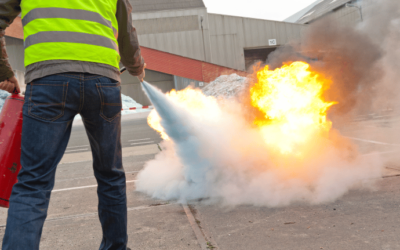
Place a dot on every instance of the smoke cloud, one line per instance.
(216, 155)
(221, 158)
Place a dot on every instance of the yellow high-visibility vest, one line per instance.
(78, 30)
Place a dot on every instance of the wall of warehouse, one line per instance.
(343, 16)
(231, 35)
(218, 39)
(340, 13)
(180, 32)
(346, 16)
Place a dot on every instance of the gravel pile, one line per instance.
(226, 86)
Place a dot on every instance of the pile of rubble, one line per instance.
(226, 86)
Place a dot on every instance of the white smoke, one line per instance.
(218, 156)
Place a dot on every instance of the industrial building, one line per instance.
(347, 12)
(184, 44)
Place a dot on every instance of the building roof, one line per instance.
(158, 5)
(295, 17)
(321, 8)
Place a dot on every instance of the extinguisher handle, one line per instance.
(15, 92)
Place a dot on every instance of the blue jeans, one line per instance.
(51, 104)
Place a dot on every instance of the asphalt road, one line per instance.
(135, 132)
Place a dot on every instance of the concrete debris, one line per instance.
(226, 86)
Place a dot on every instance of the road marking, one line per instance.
(135, 150)
(140, 140)
(77, 150)
(142, 143)
(78, 146)
(95, 213)
(83, 187)
(374, 142)
(88, 177)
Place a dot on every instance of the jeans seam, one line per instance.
(109, 119)
(30, 101)
(82, 95)
(102, 106)
(64, 97)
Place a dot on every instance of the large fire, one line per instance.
(294, 111)
(290, 99)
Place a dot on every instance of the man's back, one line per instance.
(74, 36)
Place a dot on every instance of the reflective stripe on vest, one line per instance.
(69, 37)
(52, 31)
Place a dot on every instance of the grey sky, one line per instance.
(263, 9)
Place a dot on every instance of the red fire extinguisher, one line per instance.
(10, 145)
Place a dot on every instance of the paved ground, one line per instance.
(359, 220)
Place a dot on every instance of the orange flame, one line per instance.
(291, 100)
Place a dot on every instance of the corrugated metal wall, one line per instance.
(221, 41)
(231, 35)
(181, 32)
(140, 6)
(167, 24)
(343, 15)
(346, 16)
(182, 83)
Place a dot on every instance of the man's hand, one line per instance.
(10, 84)
(141, 76)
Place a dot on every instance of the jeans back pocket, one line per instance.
(47, 99)
(110, 96)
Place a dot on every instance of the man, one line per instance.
(72, 55)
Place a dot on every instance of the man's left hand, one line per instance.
(10, 84)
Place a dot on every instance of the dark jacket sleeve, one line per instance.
(9, 10)
(129, 49)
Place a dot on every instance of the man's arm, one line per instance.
(9, 10)
(128, 42)
(5, 67)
